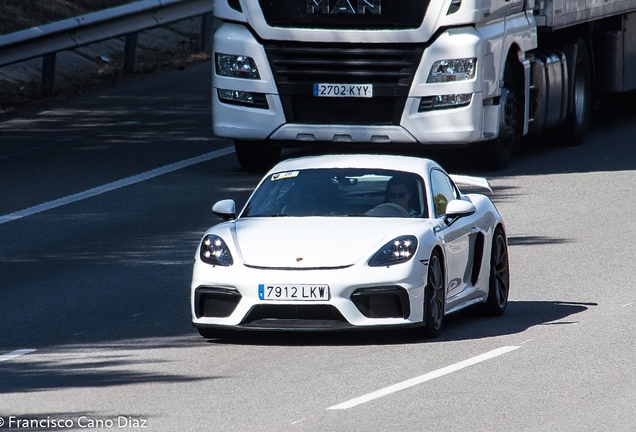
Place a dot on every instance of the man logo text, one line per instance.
(343, 6)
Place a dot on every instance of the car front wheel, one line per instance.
(434, 297)
(499, 284)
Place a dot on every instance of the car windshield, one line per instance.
(339, 192)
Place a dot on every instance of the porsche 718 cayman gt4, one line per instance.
(351, 241)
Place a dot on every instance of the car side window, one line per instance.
(443, 191)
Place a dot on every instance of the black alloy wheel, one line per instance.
(434, 297)
(499, 285)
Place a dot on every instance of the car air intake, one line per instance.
(382, 302)
(215, 302)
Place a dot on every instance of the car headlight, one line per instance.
(236, 66)
(214, 251)
(398, 250)
(452, 70)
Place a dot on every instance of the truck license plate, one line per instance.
(293, 292)
(343, 90)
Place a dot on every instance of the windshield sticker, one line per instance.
(285, 175)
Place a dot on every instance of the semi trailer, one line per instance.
(415, 73)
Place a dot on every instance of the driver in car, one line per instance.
(398, 191)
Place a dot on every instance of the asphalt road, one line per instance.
(96, 249)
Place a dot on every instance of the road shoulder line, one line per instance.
(16, 353)
(115, 185)
(423, 378)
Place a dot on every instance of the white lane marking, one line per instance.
(628, 304)
(423, 378)
(14, 354)
(115, 185)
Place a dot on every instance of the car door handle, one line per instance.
(474, 230)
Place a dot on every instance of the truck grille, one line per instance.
(389, 67)
(354, 15)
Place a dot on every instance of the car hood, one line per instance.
(314, 242)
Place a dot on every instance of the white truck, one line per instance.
(289, 73)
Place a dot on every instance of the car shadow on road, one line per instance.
(519, 316)
(536, 240)
(47, 375)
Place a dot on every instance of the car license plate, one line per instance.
(293, 292)
(343, 90)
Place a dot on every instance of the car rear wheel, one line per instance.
(499, 284)
(434, 297)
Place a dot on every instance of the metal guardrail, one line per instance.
(126, 20)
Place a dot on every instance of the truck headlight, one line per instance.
(236, 96)
(429, 103)
(236, 66)
(243, 98)
(452, 70)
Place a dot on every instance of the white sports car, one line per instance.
(351, 241)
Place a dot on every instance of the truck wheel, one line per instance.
(499, 150)
(572, 131)
(256, 156)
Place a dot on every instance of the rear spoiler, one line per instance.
(471, 181)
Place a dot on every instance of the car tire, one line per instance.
(434, 297)
(256, 156)
(499, 282)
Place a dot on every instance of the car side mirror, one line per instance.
(226, 209)
(458, 209)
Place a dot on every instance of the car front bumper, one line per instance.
(359, 297)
